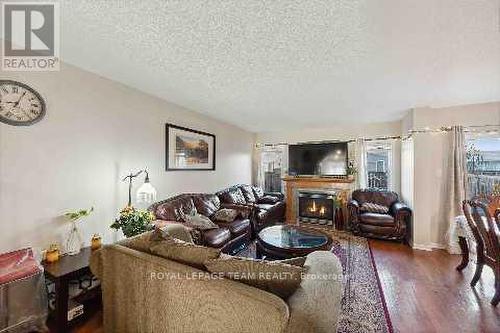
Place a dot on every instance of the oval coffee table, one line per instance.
(289, 241)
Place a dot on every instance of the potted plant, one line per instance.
(73, 243)
(351, 170)
(133, 222)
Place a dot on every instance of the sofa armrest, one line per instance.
(278, 195)
(146, 293)
(310, 313)
(354, 204)
(399, 209)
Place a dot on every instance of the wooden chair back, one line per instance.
(492, 201)
(484, 228)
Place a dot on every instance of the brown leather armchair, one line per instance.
(379, 214)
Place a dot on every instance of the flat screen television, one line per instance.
(318, 159)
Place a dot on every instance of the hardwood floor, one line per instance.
(423, 291)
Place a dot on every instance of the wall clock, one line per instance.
(20, 105)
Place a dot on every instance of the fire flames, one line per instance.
(314, 209)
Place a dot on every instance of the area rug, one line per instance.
(363, 304)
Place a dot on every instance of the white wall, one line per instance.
(95, 132)
(431, 161)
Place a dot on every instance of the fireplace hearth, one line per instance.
(316, 207)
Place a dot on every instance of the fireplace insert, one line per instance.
(317, 208)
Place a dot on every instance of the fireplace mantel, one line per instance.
(318, 180)
(343, 185)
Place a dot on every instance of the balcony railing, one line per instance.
(481, 184)
(378, 180)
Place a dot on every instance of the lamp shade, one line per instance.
(146, 193)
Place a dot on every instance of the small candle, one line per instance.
(52, 254)
(96, 242)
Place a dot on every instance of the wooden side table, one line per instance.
(61, 272)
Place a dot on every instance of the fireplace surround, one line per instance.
(341, 188)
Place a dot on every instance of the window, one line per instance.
(483, 165)
(271, 169)
(378, 165)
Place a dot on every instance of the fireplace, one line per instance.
(316, 207)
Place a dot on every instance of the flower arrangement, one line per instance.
(133, 221)
(351, 168)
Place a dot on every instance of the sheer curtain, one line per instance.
(455, 176)
(271, 167)
(360, 157)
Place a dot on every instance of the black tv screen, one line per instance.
(321, 159)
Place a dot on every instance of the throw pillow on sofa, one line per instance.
(278, 278)
(226, 215)
(146, 240)
(268, 199)
(198, 221)
(174, 230)
(139, 243)
(184, 252)
(370, 207)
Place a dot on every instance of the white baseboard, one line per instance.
(429, 246)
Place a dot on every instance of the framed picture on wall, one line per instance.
(188, 149)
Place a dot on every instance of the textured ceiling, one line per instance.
(272, 65)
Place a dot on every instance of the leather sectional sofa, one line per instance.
(268, 207)
(229, 237)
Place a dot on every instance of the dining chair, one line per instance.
(487, 236)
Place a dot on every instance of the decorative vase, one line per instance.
(73, 244)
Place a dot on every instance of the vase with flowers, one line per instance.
(351, 170)
(73, 243)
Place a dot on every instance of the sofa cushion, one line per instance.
(237, 227)
(184, 252)
(225, 215)
(171, 210)
(198, 221)
(258, 192)
(216, 237)
(275, 277)
(140, 242)
(233, 195)
(206, 204)
(376, 219)
(371, 207)
(248, 193)
(268, 199)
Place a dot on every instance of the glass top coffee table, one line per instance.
(288, 241)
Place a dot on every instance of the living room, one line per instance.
(166, 151)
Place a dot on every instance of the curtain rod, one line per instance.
(443, 129)
(381, 138)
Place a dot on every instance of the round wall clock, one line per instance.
(20, 105)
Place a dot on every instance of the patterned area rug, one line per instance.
(363, 305)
